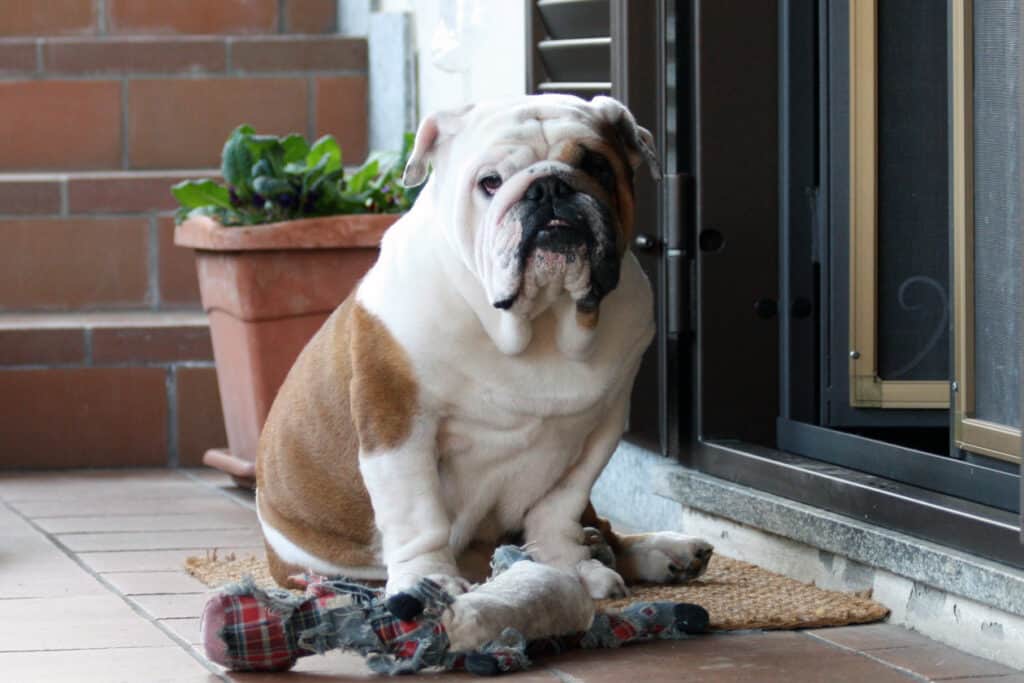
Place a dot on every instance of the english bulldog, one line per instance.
(476, 382)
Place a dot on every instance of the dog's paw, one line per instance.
(668, 557)
(601, 581)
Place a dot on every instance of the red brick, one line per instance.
(310, 16)
(83, 417)
(179, 285)
(17, 57)
(60, 125)
(46, 17)
(73, 263)
(200, 421)
(27, 345)
(161, 136)
(189, 54)
(126, 191)
(27, 194)
(298, 53)
(341, 110)
(192, 16)
(153, 343)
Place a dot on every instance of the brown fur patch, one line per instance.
(591, 518)
(384, 390)
(307, 472)
(587, 319)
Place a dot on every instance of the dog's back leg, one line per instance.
(659, 557)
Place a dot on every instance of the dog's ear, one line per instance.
(433, 131)
(638, 140)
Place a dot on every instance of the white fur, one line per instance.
(518, 410)
(293, 554)
(667, 557)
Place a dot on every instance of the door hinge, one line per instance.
(678, 278)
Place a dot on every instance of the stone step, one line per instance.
(120, 17)
(170, 102)
(93, 240)
(107, 390)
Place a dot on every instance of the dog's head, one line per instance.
(537, 195)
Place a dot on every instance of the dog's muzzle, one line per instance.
(557, 218)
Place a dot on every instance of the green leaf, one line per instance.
(269, 186)
(192, 194)
(295, 149)
(236, 161)
(360, 179)
(326, 147)
(267, 148)
(261, 168)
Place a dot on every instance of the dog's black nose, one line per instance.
(547, 188)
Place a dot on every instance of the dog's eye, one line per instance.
(490, 184)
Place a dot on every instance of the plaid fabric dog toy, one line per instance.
(246, 628)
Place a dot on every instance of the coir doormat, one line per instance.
(737, 595)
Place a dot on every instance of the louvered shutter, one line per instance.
(569, 47)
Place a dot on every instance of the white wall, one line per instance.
(492, 60)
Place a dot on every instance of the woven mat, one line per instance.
(736, 594)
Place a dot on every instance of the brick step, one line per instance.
(93, 240)
(117, 17)
(170, 102)
(107, 390)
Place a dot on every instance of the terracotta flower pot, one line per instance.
(266, 290)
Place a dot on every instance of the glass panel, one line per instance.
(913, 176)
(997, 210)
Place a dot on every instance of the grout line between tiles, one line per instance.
(909, 672)
(86, 649)
(132, 605)
(251, 527)
(221, 492)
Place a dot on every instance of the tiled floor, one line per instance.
(92, 589)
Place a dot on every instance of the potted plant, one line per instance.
(278, 248)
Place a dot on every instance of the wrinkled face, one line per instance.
(543, 200)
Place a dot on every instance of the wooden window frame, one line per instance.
(867, 388)
(969, 433)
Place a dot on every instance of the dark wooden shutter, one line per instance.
(569, 47)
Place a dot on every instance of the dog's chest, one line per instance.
(497, 458)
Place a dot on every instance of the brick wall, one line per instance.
(105, 356)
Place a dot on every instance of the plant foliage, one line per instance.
(271, 179)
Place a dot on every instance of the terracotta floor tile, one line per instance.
(209, 476)
(149, 664)
(72, 486)
(162, 540)
(153, 583)
(197, 502)
(743, 661)
(172, 606)
(33, 567)
(187, 628)
(340, 666)
(36, 569)
(156, 560)
(235, 517)
(871, 636)
(941, 662)
(78, 622)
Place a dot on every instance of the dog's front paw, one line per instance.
(601, 581)
(668, 557)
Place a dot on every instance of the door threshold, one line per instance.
(949, 521)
